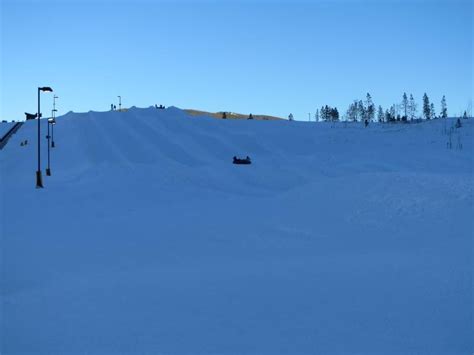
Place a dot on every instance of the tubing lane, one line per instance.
(11, 132)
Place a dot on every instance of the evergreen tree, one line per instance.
(327, 113)
(224, 115)
(380, 114)
(412, 108)
(290, 117)
(464, 116)
(316, 115)
(426, 107)
(355, 111)
(405, 105)
(250, 117)
(323, 114)
(361, 114)
(393, 113)
(351, 114)
(369, 108)
(432, 111)
(444, 108)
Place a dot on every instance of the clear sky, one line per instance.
(262, 56)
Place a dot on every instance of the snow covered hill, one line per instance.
(5, 127)
(147, 239)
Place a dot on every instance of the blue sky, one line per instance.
(272, 57)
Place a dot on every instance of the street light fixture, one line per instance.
(39, 178)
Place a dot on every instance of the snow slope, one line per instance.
(5, 127)
(147, 240)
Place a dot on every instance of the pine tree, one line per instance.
(290, 117)
(426, 107)
(405, 105)
(250, 117)
(432, 111)
(412, 108)
(444, 108)
(327, 113)
(369, 108)
(361, 111)
(393, 113)
(316, 115)
(351, 113)
(380, 115)
(224, 115)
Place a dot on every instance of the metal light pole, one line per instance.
(48, 169)
(120, 103)
(53, 122)
(39, 178)
(48, 137)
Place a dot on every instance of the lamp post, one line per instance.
(39, 178)
(53, 122)
(120, 103)
(48, 137)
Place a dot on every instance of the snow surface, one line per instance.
(5, 127)
(147, 240)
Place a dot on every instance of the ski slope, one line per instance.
(147, 240)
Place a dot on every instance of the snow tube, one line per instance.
(245, 161)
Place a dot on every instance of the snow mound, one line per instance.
(147, 239)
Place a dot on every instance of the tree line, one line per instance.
(366, 111)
